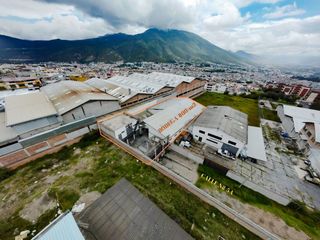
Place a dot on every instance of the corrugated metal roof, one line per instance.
(300, 116)
(168, 79)
(226, 119)
(137, 82)
(255, 147)
(62, 228)
(123, 213)
(118, 122)
(27, 107)
(67, 95)
(174, 117)
(121, 93)
(125, 88)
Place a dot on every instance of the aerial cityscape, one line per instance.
(182, 119)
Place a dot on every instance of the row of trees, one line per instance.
(273, 94)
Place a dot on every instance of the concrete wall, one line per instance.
(288, 126)
(215, 143)
(21, 156)
(190, 89)
(92, 108)
(187, 154)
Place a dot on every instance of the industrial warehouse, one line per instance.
(152, 129)
(178, 124)
(137, 87)
(61, 112)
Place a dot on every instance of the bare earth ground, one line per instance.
(266, 219)
(37, 207)
(71, 176)
(31, 194)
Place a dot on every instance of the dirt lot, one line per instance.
(34, 194)
(266, 219)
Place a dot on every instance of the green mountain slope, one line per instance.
(152, 45)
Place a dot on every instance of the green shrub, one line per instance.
(4, 173)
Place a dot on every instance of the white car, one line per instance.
(185, 144)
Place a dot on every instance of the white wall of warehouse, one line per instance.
(217, 144)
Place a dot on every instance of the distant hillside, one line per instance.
(246, 56)
(152, 45)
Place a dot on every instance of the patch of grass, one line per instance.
(245, 194)
(296, 214)
(246, 105)
(271, 134)
(66, 197)
(14, 225)
(107, 166)
(270, 115)
(274, 105)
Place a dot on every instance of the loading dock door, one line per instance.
(231, 149)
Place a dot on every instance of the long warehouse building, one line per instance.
(137, 87)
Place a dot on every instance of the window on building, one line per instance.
(212, 141)
(232, 143)
(214, 136)
(309, 134)
(203, 132)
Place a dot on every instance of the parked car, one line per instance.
(307, 162)
(185, 144)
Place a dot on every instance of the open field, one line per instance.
(246, 105)
(295, 214)
(94, 164)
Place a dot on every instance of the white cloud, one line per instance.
(290, 10)
(61, 26)
(227, 15)
(243, 3)
(219, 21)
(31, 9)
(287, 36)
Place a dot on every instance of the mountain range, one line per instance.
(152, 45)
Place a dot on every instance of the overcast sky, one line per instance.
(265, 27)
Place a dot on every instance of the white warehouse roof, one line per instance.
(27, 107)
(226, 119)
(255, 147)
(169, 79)
(67, 95)
(62, 228)
(121, 93)
(174, 117)
(137, 82)
(300, 116)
